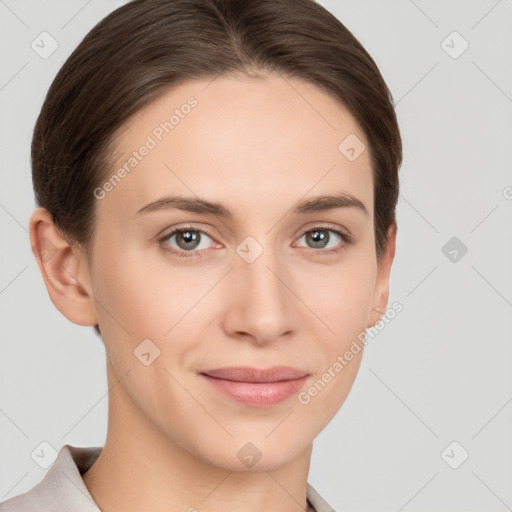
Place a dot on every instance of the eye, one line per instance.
(186, 239)
(321, 240)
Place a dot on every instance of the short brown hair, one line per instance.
(146, 47)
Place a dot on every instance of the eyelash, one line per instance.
(347, 240)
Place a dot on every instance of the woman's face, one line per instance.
(266, 285)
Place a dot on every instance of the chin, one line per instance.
(254, 453)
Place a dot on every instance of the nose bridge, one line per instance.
(262, 302)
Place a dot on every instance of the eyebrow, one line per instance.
(198, 205)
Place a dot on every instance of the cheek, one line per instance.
(341, 295)
(148, 295)
(127, 292)
(342, 298)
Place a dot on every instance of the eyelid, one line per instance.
(167, 232)
(311, 226)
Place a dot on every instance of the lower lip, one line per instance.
(257, 394)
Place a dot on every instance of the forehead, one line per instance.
(247, 142)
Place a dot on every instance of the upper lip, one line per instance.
(248, 374)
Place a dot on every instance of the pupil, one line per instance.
(188, 237)
(318, 237)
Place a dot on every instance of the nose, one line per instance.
(261, 307)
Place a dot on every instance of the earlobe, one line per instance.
(381, 292)
(59, 264)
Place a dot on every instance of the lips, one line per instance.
(248, 374)
(256, 388)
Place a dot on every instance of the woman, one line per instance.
(261, 134)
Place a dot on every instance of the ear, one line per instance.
(381, 292)
(63, 267)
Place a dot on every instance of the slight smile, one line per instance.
(255, 387)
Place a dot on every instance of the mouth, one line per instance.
(255, 387)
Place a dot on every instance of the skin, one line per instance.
(172, 439)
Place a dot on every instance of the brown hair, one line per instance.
(146, 47)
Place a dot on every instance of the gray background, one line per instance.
(439, 372)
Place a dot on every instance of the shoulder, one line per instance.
(318, 503)
(62, 487)
(35, 500)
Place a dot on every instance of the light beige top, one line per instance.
(63, 490)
